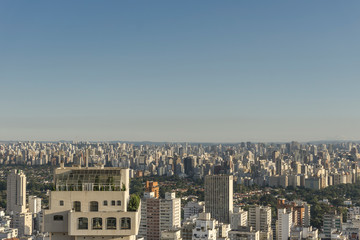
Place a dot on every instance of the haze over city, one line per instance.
(196, 71)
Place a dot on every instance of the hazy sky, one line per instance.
(219, 71)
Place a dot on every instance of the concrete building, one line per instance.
(238, 218)
(16, 203)
(219, 197)
(244, 233)
(34, 204)
(158, 215)
(332, 224)
(171, 234)
(300, 233)
(91, 203)
(260, 220)
(16, 192)
(23, 222)
(284, 222)
(205, 228)
(193, 208)
(187, 228)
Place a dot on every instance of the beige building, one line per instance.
(16, 192)
(239, 218)
(171, 234)
(219, 197)
(91, 203)
(16, 203)
(244, 233)
(260, 220)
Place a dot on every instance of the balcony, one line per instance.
(103, 223)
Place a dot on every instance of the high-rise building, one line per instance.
(91, 203)
(158, 215)
(16, 192)
(16, 203)
(34, 204)
(219, 197)
(284, 224)
(239, 218)
(331, 222)
(260, 220)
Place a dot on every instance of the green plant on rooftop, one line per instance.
(133, 203)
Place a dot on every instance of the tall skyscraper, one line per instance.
(16, 192)
(91, 203)
(16, 203)
(219, 197)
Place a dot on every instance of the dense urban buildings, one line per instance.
(239, 191)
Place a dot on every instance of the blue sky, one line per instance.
(218, 71)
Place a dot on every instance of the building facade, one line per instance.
(91, 203)
(219, 197)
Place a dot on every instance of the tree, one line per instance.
(134, 203)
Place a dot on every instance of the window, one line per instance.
(82, 223)
(125, 223)
(105, 203)
(119, 203)
(97, 223)
(58, 217)
(113, 203)
(94, 206)
(111, 223)
(77, 206)
(61, 203)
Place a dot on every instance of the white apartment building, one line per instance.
(34, 204)
(284, 224)
(205, 228)
(91, 203)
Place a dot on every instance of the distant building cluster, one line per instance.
(91, 195)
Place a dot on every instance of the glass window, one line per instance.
(77, 206)
(61, 203)
(105, 203)
(125, 223)
(119, 203)
(113, 203)
(82, 223)
(111, 223)
(94, 206)
(97, 223)
(58, 217)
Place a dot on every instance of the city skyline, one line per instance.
(179, 72)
